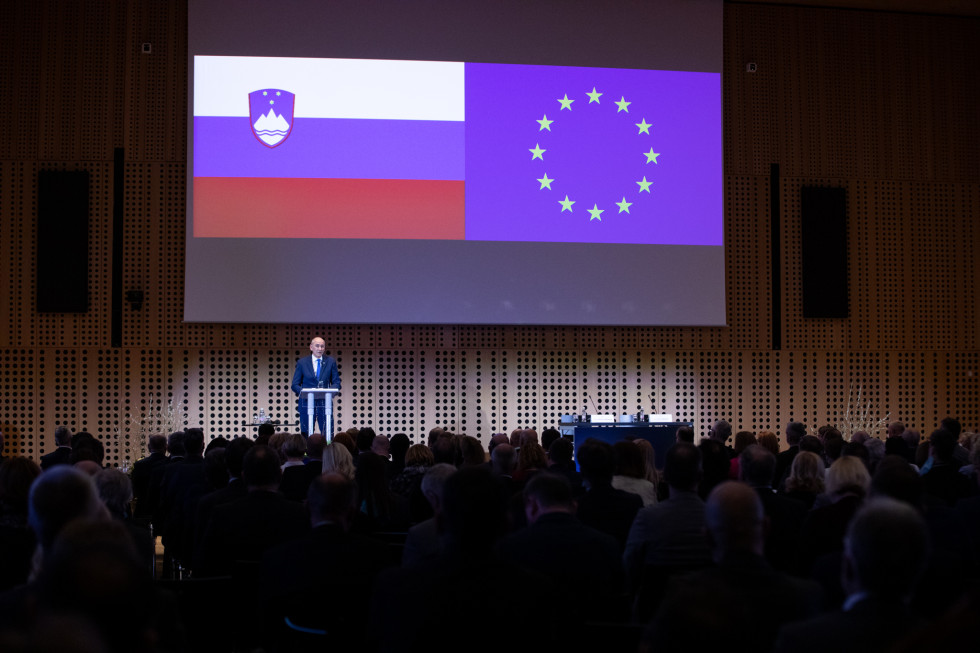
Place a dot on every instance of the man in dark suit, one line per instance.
(885, 552)
(602, 506)
(794, 433)
(316, 371)
(60, 456)
(245, 529)
(785, 515)
(143, 472)
(717, 608)
(234, 459)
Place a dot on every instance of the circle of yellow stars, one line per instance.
(622, 106)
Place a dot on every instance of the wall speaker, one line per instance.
(824, 251)
(62, 241)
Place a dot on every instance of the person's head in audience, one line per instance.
(399, 447)
(811, 443)
(952, 425)
(715, 464)
(859, 437)
(495, 439)
(942, 443)
(560, 453)
(684, 434)
(847, 476)
(885, 550)
(649, 454)
(261, 469)
(344, 439)
(858, 450)
(16, 475)
(365, 438)
(629, 460)
(472, 451)
(156, 444)
(58, 496)
(515, 438)
(95, 573)
(895, 429)
(682, 467)
(373, 494)
(235, 456)
(912, 438)
(446, 449)
(194, 443)
(548, 436)
(116, 491)
(294, 447)
(215, 468)
(529, 436)
(434, 434)
(503, 460)
(381, 446)
(757, 466)
(276, 440)
(266, 431)
(822, 431)
(531, 457)
(735, 520)
(89, 467)
(897, 479)
(86, 447)
(216, 443)
(434, 485)
(806, 474)
(62, 436)
(896, 446)
(769, 441)
(833, 444)
(474, 514)
(337, 459)
(330, 500)
(314, 446)
(547, 493)
(721, 430)
(419, 455)
(742, 440)
(795, 432)
(876, 452)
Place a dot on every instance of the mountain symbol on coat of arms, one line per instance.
(271, 128)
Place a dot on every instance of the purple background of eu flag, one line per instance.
(594, 154)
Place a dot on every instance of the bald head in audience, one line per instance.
(735, 520)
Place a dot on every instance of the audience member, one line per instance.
(143, 468)
(716, 464)
(560, 459)
(742, 440)
(548, 437)
(770, 442)
(344, 438)
(472, 452)
(823, 530)
(296, 475)
(684, 434)
(85, 446)
(530, 460)
(408, 482)
(717, 609)
(235, 489)
(630, 472)
(17, 542)
(62, 451)
(399, 448)
(602, 506)
(379, 509)
(424, 543)
(337, 458)
(943, 480)
(805, 480)
(116, 491)
(720, 431)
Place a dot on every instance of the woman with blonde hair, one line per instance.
(336, 458)
(823, 530)
(805, 480)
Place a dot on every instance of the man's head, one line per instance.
(860, 437)
(235, 455)
(294, 446)
(684, 434)
(735, 520)
(62, 436)
(314, 446)
(365, 438)
(942, 443)
(331, 499)
(157, 444)
(885, 549)
(597, 461)
(381, 446)
(721, 431)
(318, 346)
(175, 443)
(896, 478)
(260, 468)
(757, 466)
(86, 447)
(912, 438)
(560, 452)
(59, 496)
(115, 489)
(794, 433)
(547, 493)
(434, 484)
(952, 425)
(682, 466)
(548, 436)
(503, 459)
(194, 442)
(495, 439)
(895, 429)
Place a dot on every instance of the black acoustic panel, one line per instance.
(62, 241)
(823, 215)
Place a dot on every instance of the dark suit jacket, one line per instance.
(247, 528)
(59, 456)
(873, 624)
(784, 460)
(205, 507)
(609, 510)
(786, 517)
(296, 480)
(142, 473)
(305, 376)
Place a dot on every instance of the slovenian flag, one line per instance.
(343, 148)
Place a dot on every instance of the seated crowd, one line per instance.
(371, 543)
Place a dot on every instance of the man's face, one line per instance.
(317, 347)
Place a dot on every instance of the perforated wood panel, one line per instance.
(883, 105)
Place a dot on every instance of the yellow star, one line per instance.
(545, 123)
(644, 185)
(545, 182)
(565, 103)
(644, 127)
(624, 205)
(596, 213)
(594, 96)
(536, 152)
(566, 204)
(623, 104)
(651, 155)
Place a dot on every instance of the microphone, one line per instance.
(594, 407)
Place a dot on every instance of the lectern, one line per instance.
(311, 395)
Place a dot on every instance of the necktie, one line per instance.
(318, 369)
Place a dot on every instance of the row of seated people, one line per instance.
(576, 548)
